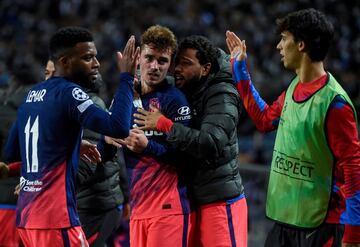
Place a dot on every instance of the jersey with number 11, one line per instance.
(48, 130)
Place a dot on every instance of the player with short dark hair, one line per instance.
(48, 131)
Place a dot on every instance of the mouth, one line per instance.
(179, 80)
(93, 76)
(153, 76)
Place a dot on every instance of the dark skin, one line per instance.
(188, 70)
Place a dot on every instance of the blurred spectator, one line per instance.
(25, 27)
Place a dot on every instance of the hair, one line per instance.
(206, 51)
(312, 27)
(66, 38)
(161, 37)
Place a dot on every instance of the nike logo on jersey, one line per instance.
(35, 96)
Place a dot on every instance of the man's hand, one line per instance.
(89, 152)
(236, 46)
(147, 120)
(127, 61)
(4, 170)
(17, 190)
(115, 141)
(136, 141)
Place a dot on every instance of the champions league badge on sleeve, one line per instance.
(79, 94)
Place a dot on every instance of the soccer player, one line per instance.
(204, 74)
(158, 198)
(48, 131)
(314, 181)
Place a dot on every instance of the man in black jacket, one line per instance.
(102, 194)
(203, 72)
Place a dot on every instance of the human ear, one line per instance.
(301, 45)
(205, 70)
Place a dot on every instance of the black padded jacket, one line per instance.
(212, 141)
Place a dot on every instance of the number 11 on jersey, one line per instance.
(31, 143)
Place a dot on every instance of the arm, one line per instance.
(116, 124)
(265, 117)
(177, 110)
(217, 127)
(344, 143)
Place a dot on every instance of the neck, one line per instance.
(310, 71)
(145, 88)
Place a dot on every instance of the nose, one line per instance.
(278, 46)
(154, 65)
(96, 63)
(177, 68)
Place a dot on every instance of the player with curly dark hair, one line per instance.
(313, 187)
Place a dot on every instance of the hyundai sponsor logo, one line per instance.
(184, 110)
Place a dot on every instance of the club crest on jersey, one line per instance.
(155, 102)
(79, 94)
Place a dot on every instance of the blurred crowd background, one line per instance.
(26, 26)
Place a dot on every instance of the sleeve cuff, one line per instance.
(240, 71)
(164, 124)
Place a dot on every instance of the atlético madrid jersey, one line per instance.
(154, 184)
(48, 131)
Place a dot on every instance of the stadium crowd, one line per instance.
(26, 26)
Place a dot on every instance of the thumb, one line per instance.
(119, 55)
(154, 108)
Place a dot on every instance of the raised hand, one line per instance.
(127, 61)
(236, 46)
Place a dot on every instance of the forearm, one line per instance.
(265, 117)
(116, 124)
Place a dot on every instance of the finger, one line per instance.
(121, 142)
(136, 54)
(140, 122)
(142, 111)
(139, 116)
(126, 49)
(154, 108)
(85, 158)
(119, 56)
(95, 159)
(137, 131)
(131, 47)
(228, 45)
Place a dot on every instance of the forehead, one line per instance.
(286, 34)
(85, 48)
(188, 53)
(153, 51)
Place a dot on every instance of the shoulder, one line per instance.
(221, 88)
(171, 94)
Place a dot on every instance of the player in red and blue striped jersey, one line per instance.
(47, 134)
(305, 39)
